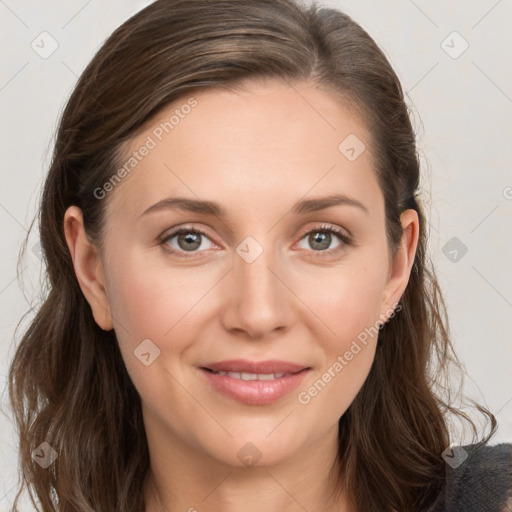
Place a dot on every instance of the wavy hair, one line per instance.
(68, 384)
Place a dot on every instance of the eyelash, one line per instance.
(344, 238)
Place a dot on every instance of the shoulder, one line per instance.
(483, 481)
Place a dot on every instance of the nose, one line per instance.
(257, 301)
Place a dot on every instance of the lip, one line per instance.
(255, 392)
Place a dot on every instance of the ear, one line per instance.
(88, 267)
(402, 261)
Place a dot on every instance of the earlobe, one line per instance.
(403, 260)
(88, 267)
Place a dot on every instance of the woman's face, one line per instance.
(256, 275)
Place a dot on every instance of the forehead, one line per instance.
(266, 139)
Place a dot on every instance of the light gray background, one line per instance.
(462, 110)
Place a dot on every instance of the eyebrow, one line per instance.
(215, 209)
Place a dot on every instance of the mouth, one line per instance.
(250, 376)
(269, 367)
(254, 383)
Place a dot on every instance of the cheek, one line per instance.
(347, 299)
(347, 355)
(148, 300)
(156, 302)
(349, 306)
(329, 393)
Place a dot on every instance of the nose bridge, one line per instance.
(258, 300)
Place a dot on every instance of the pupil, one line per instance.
(189, 238)
(323, 238)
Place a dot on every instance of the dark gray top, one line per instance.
(482, 483)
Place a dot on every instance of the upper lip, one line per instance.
(242, 365)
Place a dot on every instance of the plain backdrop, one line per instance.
(453, 59)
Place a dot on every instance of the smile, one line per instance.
(253, 388)
(253, 376)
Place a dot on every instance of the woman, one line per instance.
(241, 312)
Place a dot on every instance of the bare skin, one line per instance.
(256, 152)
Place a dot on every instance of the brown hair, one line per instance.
(68, 382)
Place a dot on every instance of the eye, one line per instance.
(192, 240)
(321, 238)
(187, 240)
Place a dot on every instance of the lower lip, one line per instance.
(255, 392)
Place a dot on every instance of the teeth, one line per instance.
(253, 376)
(268, 376)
